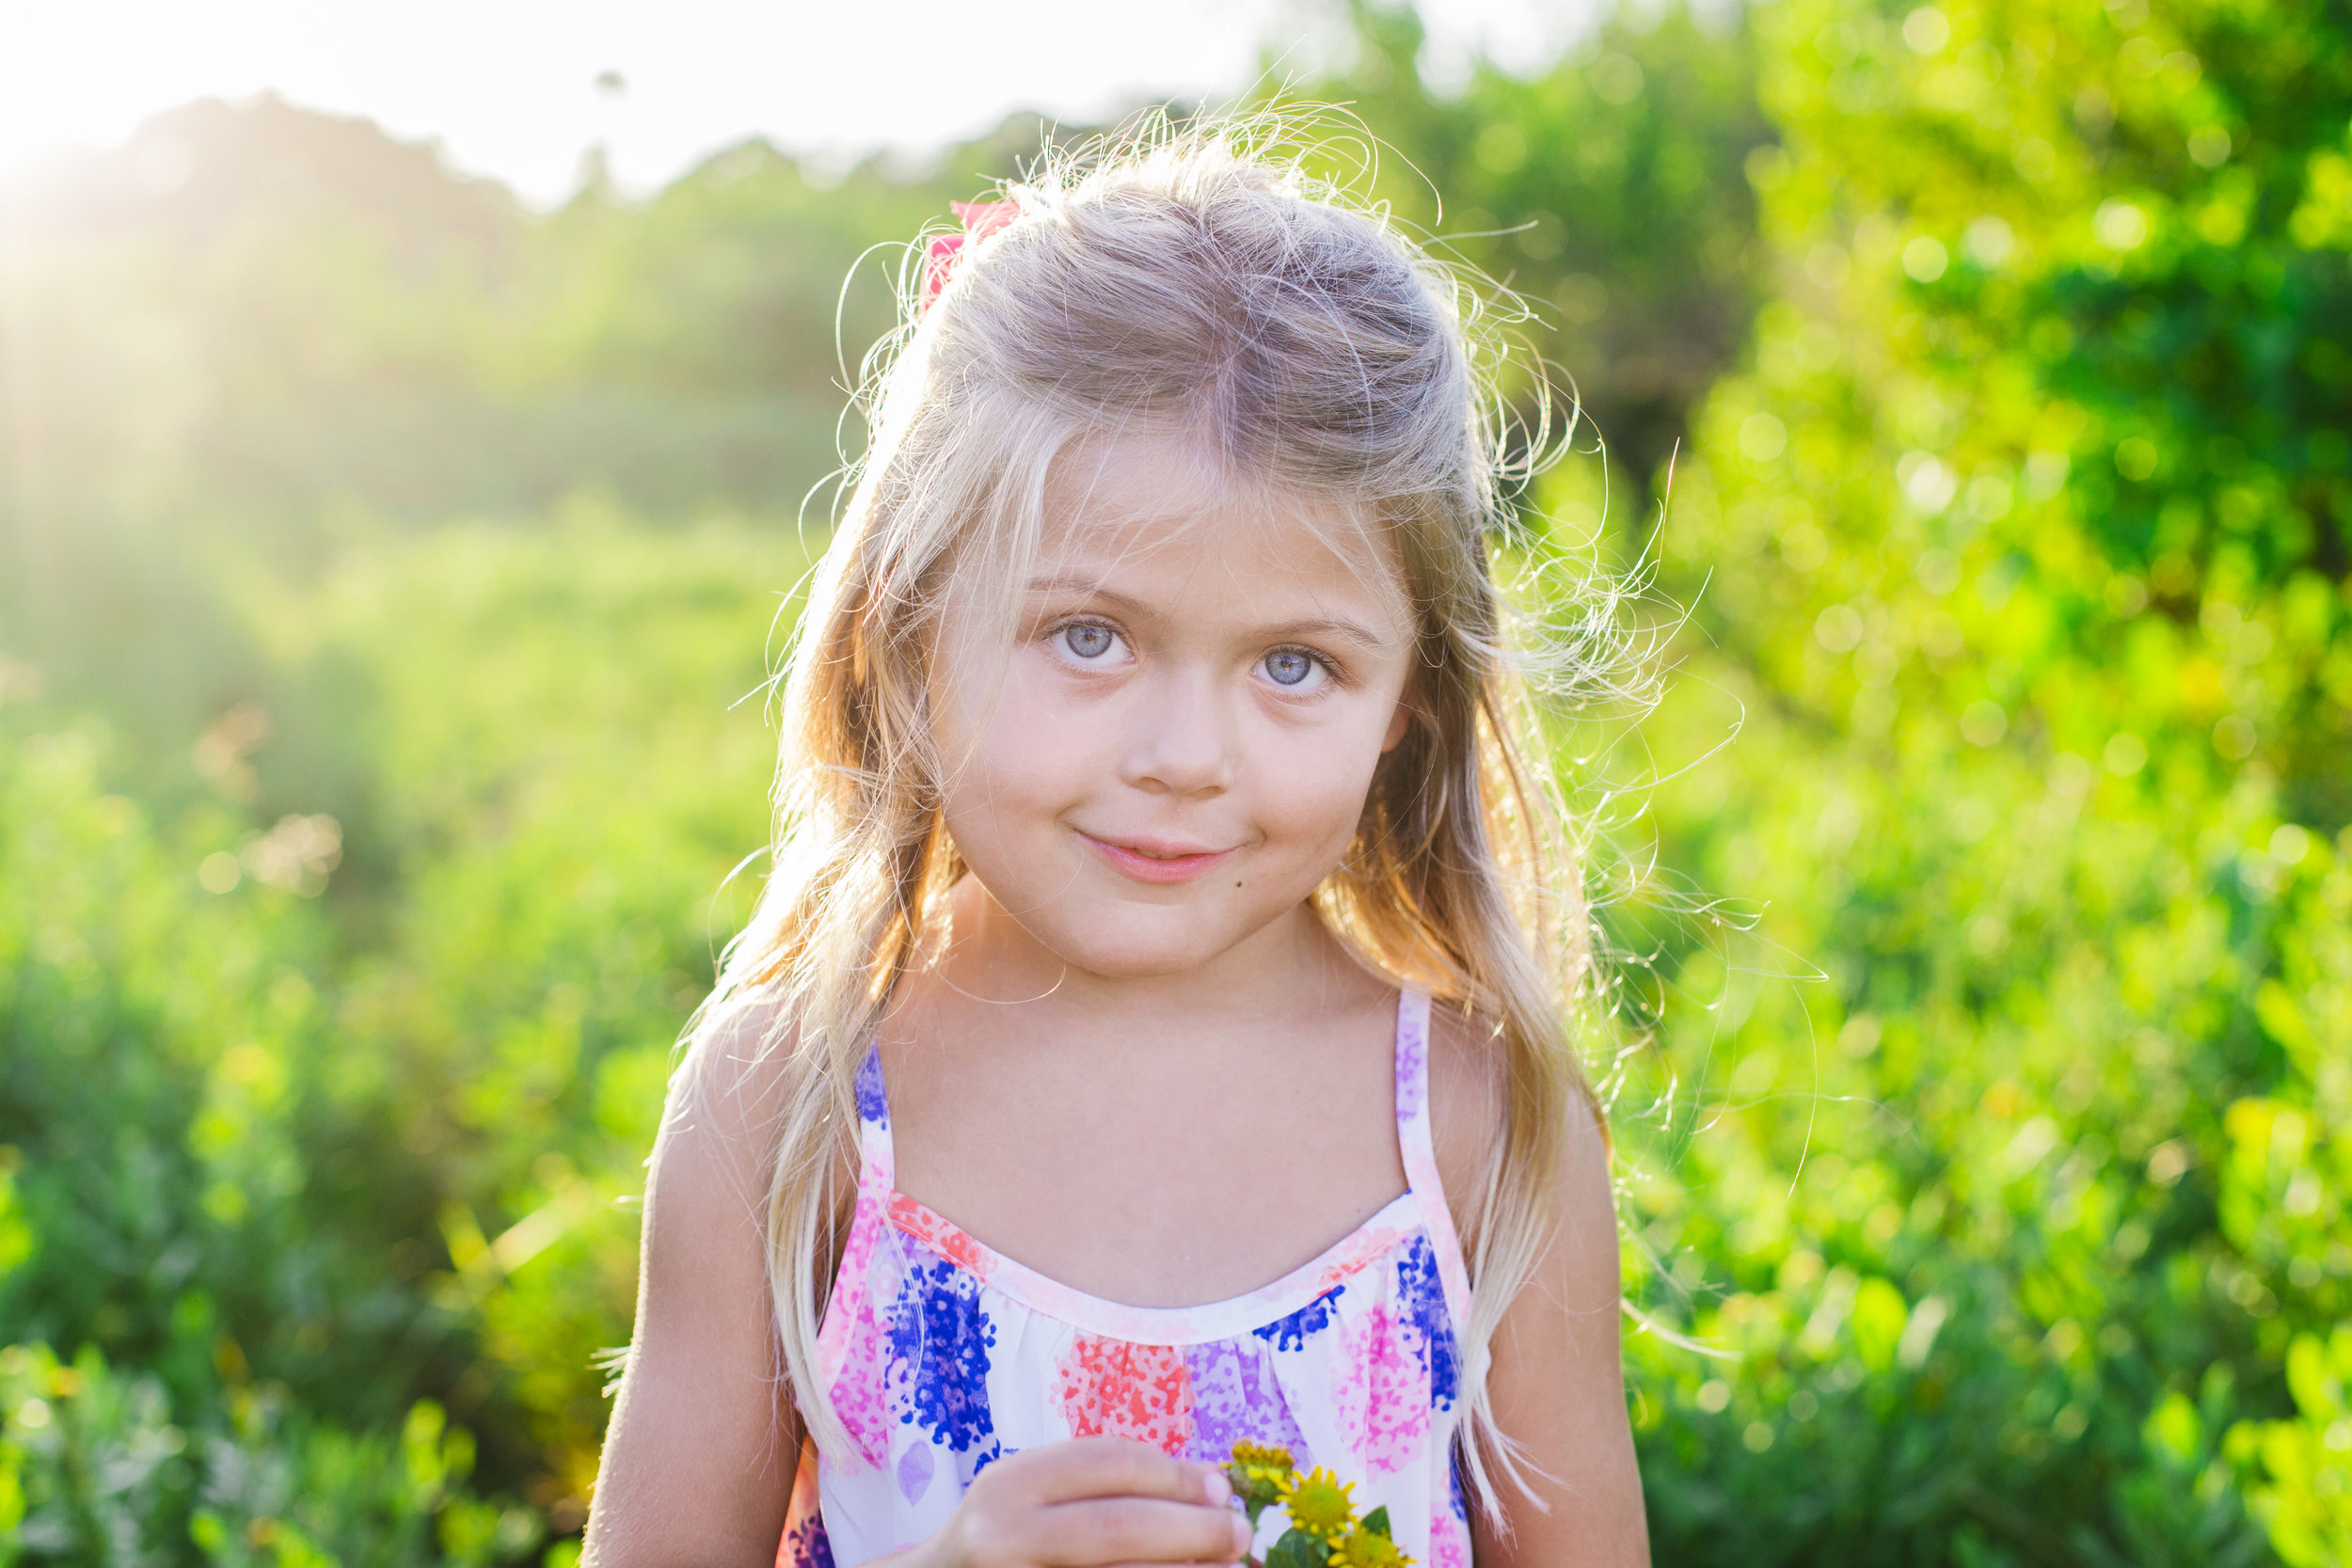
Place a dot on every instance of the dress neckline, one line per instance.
(1262, 1310)
(1420, 1210)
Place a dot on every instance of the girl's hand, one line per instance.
(1091, 1502)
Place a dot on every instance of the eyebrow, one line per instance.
(1353, 631)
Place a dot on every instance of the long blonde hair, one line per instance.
(1169, 280)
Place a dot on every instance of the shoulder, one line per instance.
(1470, 1107)
(728, 1094)
(732, 1095)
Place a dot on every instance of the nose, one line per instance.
(1179, 739)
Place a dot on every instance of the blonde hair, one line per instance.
(1183, 282)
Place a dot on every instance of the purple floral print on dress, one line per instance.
(1236, 1398)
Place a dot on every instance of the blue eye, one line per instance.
(1087, 642)
(1289, 666)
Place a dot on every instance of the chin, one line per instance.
(1135, 961)
(1141, 950)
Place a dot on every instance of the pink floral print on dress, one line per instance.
(1112, 1388)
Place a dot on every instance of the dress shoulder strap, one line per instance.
(849, 1303)
(1419, 1151)
(873, 1116)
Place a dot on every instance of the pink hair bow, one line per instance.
(980, 219)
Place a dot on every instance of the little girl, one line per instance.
(1151, 1039)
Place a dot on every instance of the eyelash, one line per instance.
(1332, 669)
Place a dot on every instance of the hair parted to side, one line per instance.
(1182, 283)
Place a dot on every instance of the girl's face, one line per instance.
(1199, 691)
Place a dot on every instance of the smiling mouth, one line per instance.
(1159, 863)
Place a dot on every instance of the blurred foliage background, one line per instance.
(388, 573)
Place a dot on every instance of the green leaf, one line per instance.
(1298, 1549)
(1377, 1522)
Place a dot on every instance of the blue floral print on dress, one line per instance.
(873, 1104)
(807, 1545)
(1421, 1290)
(1291, 1333)
(939, 1344)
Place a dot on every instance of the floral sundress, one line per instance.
(943, 1357)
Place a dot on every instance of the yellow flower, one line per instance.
(1361, 1548)
(1318, 1503)
(1258, 1471)
(1262, 1456)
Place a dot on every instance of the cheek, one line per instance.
(1029, 754)
(1314, 786)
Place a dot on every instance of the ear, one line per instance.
(1399, 722)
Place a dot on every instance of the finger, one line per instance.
(1140, 1530)
(1120, 1467)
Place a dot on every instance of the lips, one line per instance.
(1156, 861)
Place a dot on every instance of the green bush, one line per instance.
(98, 1465)
(2021, 548)
(365, 1127)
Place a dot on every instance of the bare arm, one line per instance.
(1556, 1376)
(698, 1462)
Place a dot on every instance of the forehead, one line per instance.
(1142, 510)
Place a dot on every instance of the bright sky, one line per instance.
(510, 85)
